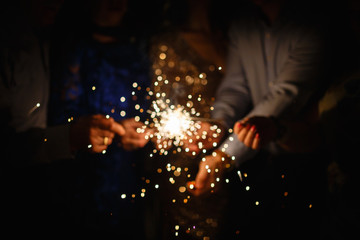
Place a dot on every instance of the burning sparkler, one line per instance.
(172, 122)
(175, 125)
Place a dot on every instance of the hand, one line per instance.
(162, 142)
(136, 135)
(256, 131)
(211, 171)
(207, 136)
(96, 131)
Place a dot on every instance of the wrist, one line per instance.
(224, 158)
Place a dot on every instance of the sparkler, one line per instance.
(172, 122)
(175, 124)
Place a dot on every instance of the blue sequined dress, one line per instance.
(110, 79)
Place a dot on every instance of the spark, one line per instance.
(37, 105)
(240, 175)
(172, 122)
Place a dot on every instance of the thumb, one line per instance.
(201, 178)
(237, 127)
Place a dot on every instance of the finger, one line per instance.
(110, 141)
(200, 191)
(190, 143)
(237, 127)
(192, 189)
(195, 191)
(117, 128)
(99, 140)
(256, 142)
(165, 144)
(242, 134)
(98, 148)
(201, 178)
(250, 136)
(95, 139)
(190, 186)
(193, 147)
(104, 123)
(100, 134)
(137, 124)
(149, 131)
(107, 141)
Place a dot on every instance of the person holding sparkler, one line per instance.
(188, 57)
(106, 71)
(275, 74)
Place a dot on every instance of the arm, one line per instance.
(28, 140)
(232, 100)
(301, 77)
(296, 84)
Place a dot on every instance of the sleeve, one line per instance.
(35, 145)
(67, 92)
(232, 100)
(300, 79)
(239, 152)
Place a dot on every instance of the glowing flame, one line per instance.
(172, 122)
